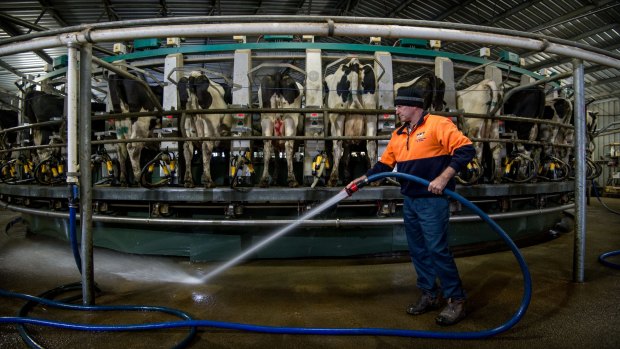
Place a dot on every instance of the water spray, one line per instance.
(192, 324)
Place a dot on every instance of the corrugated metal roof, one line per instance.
(593, 23)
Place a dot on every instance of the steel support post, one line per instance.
(86, 189)
(580, 172)
(72, 112)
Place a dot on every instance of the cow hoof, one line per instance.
(209, 185)
(293, 184)
(188, 185)
(264, 183)
(332, 183)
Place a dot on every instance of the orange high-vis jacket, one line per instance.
(433, 144)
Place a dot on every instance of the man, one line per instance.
(430, 147)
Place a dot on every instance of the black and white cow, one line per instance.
(482, 98)
(41, 107)
(200, 92)
(352, 86)
(279, 92)
(129, 96)
(528, 103)
(558, 110)
(523, 159)
(432, 86)
(8, 119)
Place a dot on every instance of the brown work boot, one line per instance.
(452, 313)
(426, 302)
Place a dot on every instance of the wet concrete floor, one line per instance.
(323, 293)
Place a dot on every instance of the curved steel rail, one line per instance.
(338, 223)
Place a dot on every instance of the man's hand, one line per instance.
(439, 184)
(355, 181)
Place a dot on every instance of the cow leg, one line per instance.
(189, 130)
(121, 150)
(345, 160)
(267, 127)
(188, 154)
(371, 146)
(290, 127)
(205, 128)
(495, 148)
(122, 127)
(139, 129)
(337, 129)
(207, 152)
(135, 150)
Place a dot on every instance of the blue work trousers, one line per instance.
(426, 226)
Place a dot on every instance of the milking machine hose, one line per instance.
(527, 295)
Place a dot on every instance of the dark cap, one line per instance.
(409, 96)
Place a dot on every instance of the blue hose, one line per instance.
(527, 295)
(73, 193)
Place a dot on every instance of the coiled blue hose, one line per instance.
(527, 295)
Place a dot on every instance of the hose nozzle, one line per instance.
(356, 186)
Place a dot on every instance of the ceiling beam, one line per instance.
(351, 6)
(47, 5)
(12, 31)
(36, 27)
(510, 12)
(258, 8)
(605, 96)
(595, 31)
(164, 8)
(21, 22)
(603, 81)
(403, 4)
(112, 16)
(11, 69)
(580, 12)
(555, 61)
(453, 10)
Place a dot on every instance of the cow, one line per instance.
(41, 107)
(557, 110)
(200, 92)
(279, 92)
(130, 96)
(561, 110)
(352, 86)
(433, 87)
(482, 98)
(8, 119)
(523, 159)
